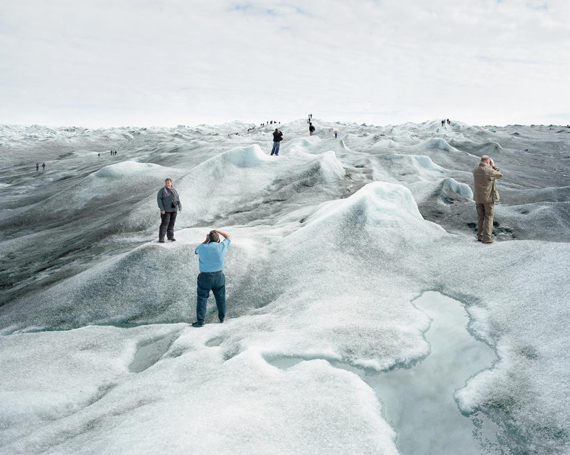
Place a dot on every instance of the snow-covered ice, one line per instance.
(333, 241)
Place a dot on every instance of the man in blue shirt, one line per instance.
(211, 255)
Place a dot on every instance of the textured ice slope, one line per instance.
(333, 240)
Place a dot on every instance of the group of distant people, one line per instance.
(443, 122)
(112, 152)
(38, 166)
(270, 122)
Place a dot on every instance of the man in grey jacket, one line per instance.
(485, 196)
(169, 204)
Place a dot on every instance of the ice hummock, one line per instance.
(333, 240)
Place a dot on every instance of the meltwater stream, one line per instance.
(418, 401)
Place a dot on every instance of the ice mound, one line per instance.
(489, 148)
(128, 169)
(411, 167)
(240, 181)
(377, 204)
(434, 144)
(381, 211)
(105, 187)
(301, 144)
(446, 191)
(246, 157)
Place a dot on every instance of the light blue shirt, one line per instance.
(211, 255)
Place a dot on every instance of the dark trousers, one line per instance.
(485, 214)
(167, 225)
(215, 282)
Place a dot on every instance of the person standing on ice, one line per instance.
(37, 166)
(485, 196)
(277, 138)
(43, 166)
(211, 254)
(168, 203)
(311, 129)
(335, 134)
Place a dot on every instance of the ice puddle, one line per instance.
(418, 401)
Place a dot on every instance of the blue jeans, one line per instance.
(215, 282)
(275, 148)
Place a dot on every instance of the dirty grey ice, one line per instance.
(363, 315)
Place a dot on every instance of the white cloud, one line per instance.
(170, 62)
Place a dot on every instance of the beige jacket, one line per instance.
(484, 182)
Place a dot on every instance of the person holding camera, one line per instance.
(277, 138)
(169, 204)
(211, 254)
(485, 196)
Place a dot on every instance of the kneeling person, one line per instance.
(211, 255)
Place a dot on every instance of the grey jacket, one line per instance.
(164, 199)
(484, 182)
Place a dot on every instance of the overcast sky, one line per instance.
(169, 62)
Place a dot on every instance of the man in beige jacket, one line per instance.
(486, 194)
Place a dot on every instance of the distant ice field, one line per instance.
(333, 242)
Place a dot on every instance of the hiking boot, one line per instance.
(161, 241)
(172, 240)
(197, 324)
(487, 243)
(222, 320)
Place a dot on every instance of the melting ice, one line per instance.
(333, 240)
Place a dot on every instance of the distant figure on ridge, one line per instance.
(211, 254)
(168, 203)
(448, 122)
(311, 129)
(43, 166)
(485, 195)
(37, 166)
(443, 123)
(335, 134)
(98, 155)
(277, 138)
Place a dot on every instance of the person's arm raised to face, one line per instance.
(227, 236)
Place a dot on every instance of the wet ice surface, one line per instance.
(419, 401)
(333, 240)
